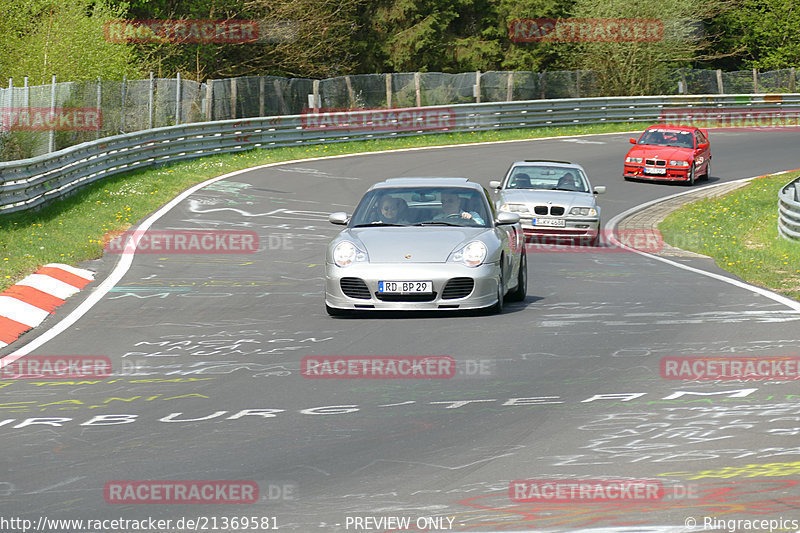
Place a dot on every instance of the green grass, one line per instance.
(73, 229)
(739, 230)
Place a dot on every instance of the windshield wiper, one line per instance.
(376, 224)
(436, 223)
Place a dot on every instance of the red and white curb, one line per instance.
(26, 304)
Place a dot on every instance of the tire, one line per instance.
(596, 241)
(708, 171)
(334, 311)
(497, 308)
(691, 176)
(518, 294)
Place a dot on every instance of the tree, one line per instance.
(762, 33)
(40, 38)
(632, 68)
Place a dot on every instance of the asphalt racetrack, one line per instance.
(566, 386)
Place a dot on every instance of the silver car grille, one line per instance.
(555, 210)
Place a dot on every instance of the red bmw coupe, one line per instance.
(669, 153)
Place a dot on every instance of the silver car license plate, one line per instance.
(405, 287)
(552, 222)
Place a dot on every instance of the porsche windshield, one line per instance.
(664, 137)
(421, 206)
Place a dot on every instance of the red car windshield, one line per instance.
(663, 137)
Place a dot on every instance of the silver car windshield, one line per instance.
(545, 177)
(421, 206)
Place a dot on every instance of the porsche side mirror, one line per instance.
(505, 217)
(600, 189)
(340, 218)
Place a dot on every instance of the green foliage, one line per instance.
(631, 68)
(39, 38)
(763, 33)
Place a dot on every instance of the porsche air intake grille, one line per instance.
(427, 297)
(458, 288)
(354, 288)
(555, 210)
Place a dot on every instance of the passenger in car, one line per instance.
(394, 210)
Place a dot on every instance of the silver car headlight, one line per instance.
(515, 208)
(347, 253)
(633, 159)
(583, 211)
(472, 255)
(678, 163)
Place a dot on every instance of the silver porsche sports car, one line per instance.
(425, 244)
(553, 198)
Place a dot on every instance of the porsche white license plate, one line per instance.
(552, 222)
(405, 287)
(652, 170)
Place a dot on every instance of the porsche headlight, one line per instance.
(346, 253)
(678, 163)
(583, 211)
(633, 159)
(515, 208)
(472, 255)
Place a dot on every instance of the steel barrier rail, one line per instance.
(31, 182)
(789, 210)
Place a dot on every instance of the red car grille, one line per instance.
(655, 162)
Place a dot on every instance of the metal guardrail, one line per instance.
(789, 210)
(31, 182)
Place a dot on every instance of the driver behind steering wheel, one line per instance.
(451, 208)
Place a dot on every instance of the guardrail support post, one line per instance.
(210, 100)
(543, 82)
(150, 98)
(315, 95)
(51, 143)
(350, 95)
(124, 102)
(720, 88)
(388, 90)
(277, 85)
(178, 99)
(100, 103)
(262, 81)
(234, 97)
